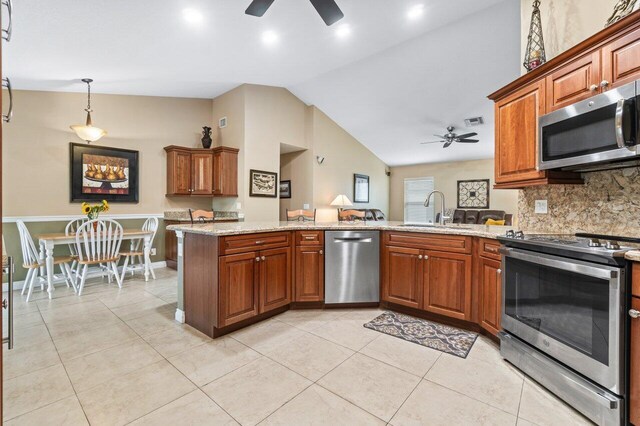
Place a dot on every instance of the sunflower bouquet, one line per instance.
(93, 211)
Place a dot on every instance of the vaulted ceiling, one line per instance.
(388, 79)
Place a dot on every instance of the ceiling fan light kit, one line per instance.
(449, 138)
(327, 9)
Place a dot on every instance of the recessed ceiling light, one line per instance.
(343, 31)
(270, 37)
(192, 16)
(416, 12)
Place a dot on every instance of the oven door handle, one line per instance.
(576, 266)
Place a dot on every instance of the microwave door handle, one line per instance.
(618, 123)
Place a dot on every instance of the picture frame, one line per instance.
(474, 194)
(103, 173)
(285, 189)
(360, 188)
(263, 184)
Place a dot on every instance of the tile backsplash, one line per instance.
(608, 203)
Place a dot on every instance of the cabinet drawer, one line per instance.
(309, 238)
(251, 242)
(441, 242)
(490, 248)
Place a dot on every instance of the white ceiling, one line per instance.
(391, 83)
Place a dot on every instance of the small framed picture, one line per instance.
(263, 184)
(473, 194)
(360, 188)
(285, 189)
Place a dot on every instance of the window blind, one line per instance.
(415, 193)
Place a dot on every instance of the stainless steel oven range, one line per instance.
(564, 315)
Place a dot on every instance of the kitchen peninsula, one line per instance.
(235, 274)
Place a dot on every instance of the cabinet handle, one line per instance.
(7, 83)
(593, 87)
(6, 34)
(426, 257)
(259, 242)
(258, 259)
(499, 271)
(321, 252)
(264, 258)
(310, 238)
(604, 83)
(420, 256)
(635, 314)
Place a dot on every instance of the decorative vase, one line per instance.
(206, 137)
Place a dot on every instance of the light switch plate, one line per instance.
(238, 206)
(153, 252)
(541, 207)
(305, 206)
(222, 123)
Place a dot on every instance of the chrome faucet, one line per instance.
(426, 204)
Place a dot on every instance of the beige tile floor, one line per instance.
(113, 357)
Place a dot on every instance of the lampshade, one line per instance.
(87, 131)
(341, 201)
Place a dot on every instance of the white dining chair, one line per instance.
(136, 250)
(98, 242)
(70, 230)
(32, 262)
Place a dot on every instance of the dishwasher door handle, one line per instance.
(352, 240)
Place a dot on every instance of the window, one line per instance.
(415, 193)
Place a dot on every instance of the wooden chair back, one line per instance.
(30, 255)
(350, 215)
(301, 215)
(200, 215)
(100, 242)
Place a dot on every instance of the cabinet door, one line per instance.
(573, 82)
(309, 275)
(621, 60)
(447, 284)
(490, 282)
(402, 279)
(634, 398)
(225, 172)
(517, 134)
(201, 174)
(238, 288)
(275, 278)
(179, 173)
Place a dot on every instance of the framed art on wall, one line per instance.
(360, 188)
(103, 173)
(473, 194)
(285, 189)
(263, 184)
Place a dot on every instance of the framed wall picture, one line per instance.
(103, 173)
(360, 188)
(473, 194)
(263, 184)
(285, 189)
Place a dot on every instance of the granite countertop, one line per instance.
(222, 229)
(633, 255)
(183, 216)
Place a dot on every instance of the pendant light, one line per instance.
(87, 131)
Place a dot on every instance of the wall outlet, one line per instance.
(153, 251)
(305, 206)
(541, 207)
(238, 206)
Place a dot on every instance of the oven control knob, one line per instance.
(519, 235)
(594, 242)
(509, 233)
(612, 245)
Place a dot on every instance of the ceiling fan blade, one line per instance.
(258, 7)
(466, 135)
(448, 144)
(424, 143)
(468, 141)
(328, 11)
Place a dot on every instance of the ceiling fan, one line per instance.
(327, 9)
(451, 137)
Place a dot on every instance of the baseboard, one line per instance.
(180, 316)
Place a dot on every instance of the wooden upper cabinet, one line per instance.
(201, 173)
(225, 172)
(447, 284)
(275, 278)
(634, 394)
(309, 274)
(402, 276)
(517, 134)
(573, 82)
(238, 289)
(490, 283)
(621, 60)
(178, 171)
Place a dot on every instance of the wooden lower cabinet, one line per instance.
(171, 246)
(490, 294)
(447, 284)
(634, 394)
(402, 276)
(238, 288)
(309, 274)
(275, 278)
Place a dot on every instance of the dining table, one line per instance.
(49, 241)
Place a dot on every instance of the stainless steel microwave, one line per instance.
(598, 131)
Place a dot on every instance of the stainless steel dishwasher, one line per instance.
(352, 266)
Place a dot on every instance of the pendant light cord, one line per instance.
(88, 96)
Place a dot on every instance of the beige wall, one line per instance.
(445, 177)
(35, 151)
(565, 23)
